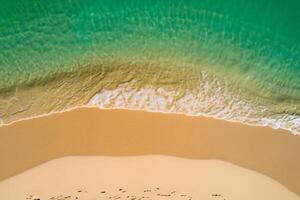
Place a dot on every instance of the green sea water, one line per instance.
(248, 50)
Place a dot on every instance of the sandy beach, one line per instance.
(141, 178)
(90, 131)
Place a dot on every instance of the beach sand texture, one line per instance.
(90, 131)
(141, 178)
(202, 96)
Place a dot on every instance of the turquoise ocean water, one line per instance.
(235, 60)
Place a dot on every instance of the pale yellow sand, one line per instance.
(151, 177)
(274, 153)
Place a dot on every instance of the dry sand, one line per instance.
(141, 178)
(90, 131)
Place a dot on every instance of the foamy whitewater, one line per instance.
(236, 60)
(198, 102)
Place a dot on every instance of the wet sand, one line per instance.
(90, 131)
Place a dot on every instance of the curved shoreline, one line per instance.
(162, 86)
(144, 110)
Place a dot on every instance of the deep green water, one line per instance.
(254, 44)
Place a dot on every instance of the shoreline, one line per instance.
(113, 132)
(185, 90)
(2, 124)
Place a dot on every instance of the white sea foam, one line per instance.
(209, 99)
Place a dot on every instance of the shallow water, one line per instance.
(235, 60)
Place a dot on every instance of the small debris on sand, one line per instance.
(146, 194)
